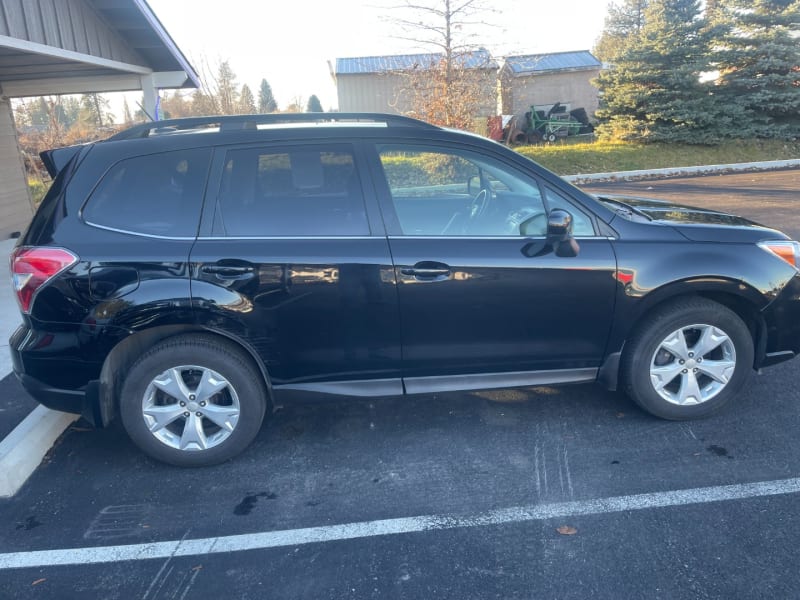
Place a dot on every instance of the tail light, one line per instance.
(783, 249)
(32, 268)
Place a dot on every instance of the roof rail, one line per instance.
(239, 122)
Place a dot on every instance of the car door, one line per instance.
(293, 260)
(480, 292)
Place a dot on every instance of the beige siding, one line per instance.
(573, 88)
(15, 204)
(66, 24)
(383, 92)
(371, 93)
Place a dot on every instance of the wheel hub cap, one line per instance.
(190, 408)
(693, 364)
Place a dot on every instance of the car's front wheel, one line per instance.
(193, 401)
(688, 360)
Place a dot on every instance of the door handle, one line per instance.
(427, 270)
(224, 271)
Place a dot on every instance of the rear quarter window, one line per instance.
(155, 194)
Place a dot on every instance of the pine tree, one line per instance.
(757, 55)
(266, 101)
(653, 91)
(247, 103)
(314, 105)
(624, 22)
(95, 110)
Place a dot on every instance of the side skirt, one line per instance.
(372, 388)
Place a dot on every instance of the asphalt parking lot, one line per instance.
(446, 496)
(769, 197)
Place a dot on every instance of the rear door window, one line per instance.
(299, 191)
(156, 194)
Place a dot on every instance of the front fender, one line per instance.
(647, 278)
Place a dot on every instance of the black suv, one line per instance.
(191, 274)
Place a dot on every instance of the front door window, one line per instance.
(444, 192)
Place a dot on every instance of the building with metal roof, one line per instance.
(580, 60)
(376, 83)
(543, 80)
(50, 47)
(477, 59)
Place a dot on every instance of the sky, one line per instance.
(288, 42)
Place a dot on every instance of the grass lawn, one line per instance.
(603, 157)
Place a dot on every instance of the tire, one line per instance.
(717, 355)
(193, 434)
(534, 137)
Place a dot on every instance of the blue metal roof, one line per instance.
(558, 61)
(478, 59)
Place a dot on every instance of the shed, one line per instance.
(74, 47)
(543, 80)
(375, 83)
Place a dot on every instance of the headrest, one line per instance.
(307, 170)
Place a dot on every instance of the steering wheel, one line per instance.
(479, 204)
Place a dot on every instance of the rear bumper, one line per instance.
(70, 401)
(51, 381)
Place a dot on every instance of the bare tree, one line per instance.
(451, 85)
(218, 93)
(296, 104)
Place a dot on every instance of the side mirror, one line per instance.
(559, 233)
(559, 226)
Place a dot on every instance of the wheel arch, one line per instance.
(744, 300)
(124, 354)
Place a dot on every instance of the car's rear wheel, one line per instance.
(688, 360)
(193, 401)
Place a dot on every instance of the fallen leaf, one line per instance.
(567, 530)
(38, 581)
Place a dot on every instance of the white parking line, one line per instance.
(349, 531)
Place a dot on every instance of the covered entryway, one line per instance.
(50, 47)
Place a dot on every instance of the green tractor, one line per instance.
(548, 126)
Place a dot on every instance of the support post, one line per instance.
(150, 96)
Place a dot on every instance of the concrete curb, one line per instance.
(24, 448)
(767, 165)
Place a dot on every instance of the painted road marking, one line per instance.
(350, 531)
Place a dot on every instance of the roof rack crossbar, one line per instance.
(239, 122)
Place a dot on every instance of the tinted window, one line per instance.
(306, 191)
(156, 194)
(439, 192)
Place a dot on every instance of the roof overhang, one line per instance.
(29, 68)
(551, 71)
